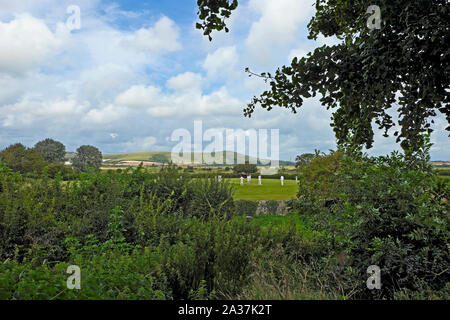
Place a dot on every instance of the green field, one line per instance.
(136, 156)
(270, 189)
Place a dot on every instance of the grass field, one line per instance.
(136, 156)
(270, 189)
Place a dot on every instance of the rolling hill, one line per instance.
(166, 156)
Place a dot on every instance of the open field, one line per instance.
(136, 156)
(270, 189)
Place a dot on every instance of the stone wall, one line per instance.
(272, 207)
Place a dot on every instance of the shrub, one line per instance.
(393, 215)
(317, 177)
(67, 173)
(209, 197)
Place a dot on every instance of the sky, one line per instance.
(136, 71)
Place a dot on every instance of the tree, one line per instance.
(318, 176)
(87, 156)
(52, 150)
(213, 13)
(245, 169)
(21, 159)
(404, 63)
(303, 159)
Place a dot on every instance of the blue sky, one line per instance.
(138, 70)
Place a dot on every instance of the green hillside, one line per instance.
(165, 157)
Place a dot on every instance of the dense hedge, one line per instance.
(135, 235)
(392, 212)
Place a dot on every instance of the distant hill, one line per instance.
(165, 157)
(440, 164)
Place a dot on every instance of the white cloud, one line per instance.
(182, 103)
(28, 111)
(144, 144)
(162, 38)
(139, 96)
(185, 81)
(11, 88)
(277, 28)
(100, 83)
(105, 115)
(108, 86)
(58, 108)
(27, 43)
(222, 61)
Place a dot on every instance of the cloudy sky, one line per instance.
(138, 70)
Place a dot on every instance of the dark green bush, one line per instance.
(209, 197)
(393, 214)
(67, 173)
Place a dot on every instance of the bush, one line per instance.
(317, 177)
(67, 173)
(245, 169)
(393, 214)
(209, 197)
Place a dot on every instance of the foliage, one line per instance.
(280, 275)
(210, 197)
(52, 150)
(85, 157)
(245, 169)
(316, 179)
(403, 63)
(67, 173)
(303, 159)
(133, 237)
(212, 14)
(22, 159)
(246, 207)
(393, 213)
